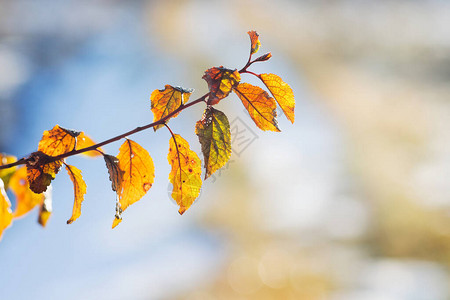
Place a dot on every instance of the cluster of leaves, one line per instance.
(132, 171)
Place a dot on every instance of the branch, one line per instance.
(182, 107)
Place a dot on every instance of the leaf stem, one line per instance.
(163, 120)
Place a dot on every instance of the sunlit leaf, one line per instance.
(46, 208)
(167, 101)
(116, 222)
(26, 200)
(254, 38)
(213, 132)
(79, 189)
(84, 141)
(5, 209)
(282, 93)
(6, 174)
(41, 171)
(115, 173)
(57, 141)
(186, 172)
(260, 106)
(220, 83)
(138, 173)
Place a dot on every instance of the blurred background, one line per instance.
(351, 202)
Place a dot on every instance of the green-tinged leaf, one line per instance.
(5, 174)
(213, 132)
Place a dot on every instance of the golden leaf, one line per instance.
(167, 101)
(26, 200)
(260, 106)
(57, 141)
(254, 38)
(213, 132)
(138, 173)
(220, 83)
(186, 172)
(282, 93)
(84, 141)
(5, 209)
(79, 189)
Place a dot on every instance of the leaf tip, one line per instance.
(116, 222)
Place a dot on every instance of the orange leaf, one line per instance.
(167, 101)
(186, 172)
(116, 222)
(84, 141)
(41, 171)
(254, 38)
(57, 141)
(213, 132)
(220, 83)
(138, 173)
(6, 174)
(282, 93)
(260, 106)
(5, 209)
(26, 200)
(79, 189)
(46, 208)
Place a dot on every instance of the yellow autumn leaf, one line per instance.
(5, 209)
(138, 173)
(186, 172)
(26, 199)
(213, 132)
(57, 141)
(282, 93)
(165, 102)
(79, 189)
(220, 81)
(260, 106)
(84, 141)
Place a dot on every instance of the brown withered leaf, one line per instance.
(255, 43)
(84, 141)
(45, 210)
(79, 189)
(260, 106)
(26, 200)
(5, 210)
(41, 171)
(58, 141)
(138, 173)
(167, 101)
(115, 173)
(282, 93)
(220, 81)
(186, 172)
(213, 132)
(5, 174)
